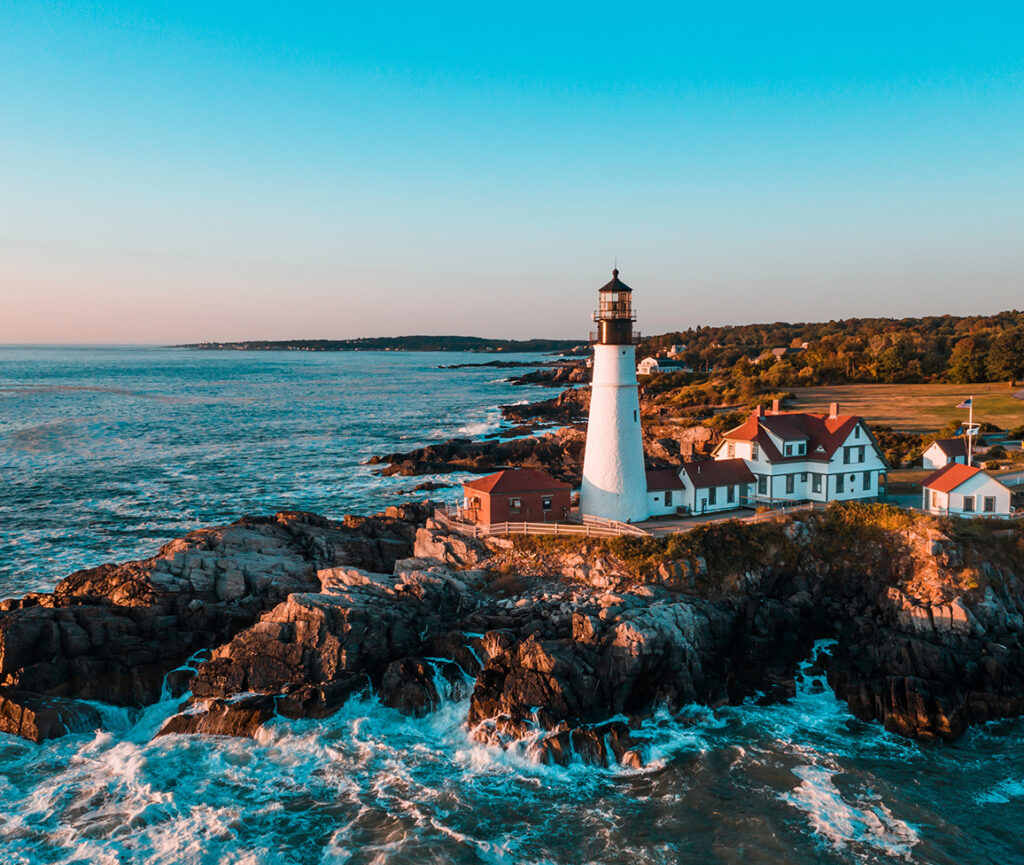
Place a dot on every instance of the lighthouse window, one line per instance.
(634, 415)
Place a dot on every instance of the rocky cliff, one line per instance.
(561, 645)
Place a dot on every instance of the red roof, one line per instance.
(952, 447)
(663, 479)
(949, 477)
(516, 481)
(718, 473)
(824, 434)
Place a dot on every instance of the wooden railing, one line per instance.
(587, 529)
(621, 528)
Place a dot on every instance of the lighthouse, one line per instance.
(614, 482)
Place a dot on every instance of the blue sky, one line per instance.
(184, 171)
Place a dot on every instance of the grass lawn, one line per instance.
(914, 407)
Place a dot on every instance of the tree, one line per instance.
(1006, 355)
(967, 362)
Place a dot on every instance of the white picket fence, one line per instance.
(592, 527)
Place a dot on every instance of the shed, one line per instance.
(516, 495)
(942, 452)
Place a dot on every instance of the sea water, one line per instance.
(106, 453)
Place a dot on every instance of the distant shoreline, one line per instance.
(398, 343)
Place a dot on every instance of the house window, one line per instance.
(860, 454)
(730, 494)
(803, 477)
(753, 451)
(846, 455)
(801, 448)
(762, 484)
(730, 450)
(712, 495)
(968, 504)
(990, 504)
(545, 503)
(840, 483)
(867, 480)
(816, 482)
(668, 497)
(789, 484)
(935, 499)
(856, 432)
(789, 450)
(515, 505)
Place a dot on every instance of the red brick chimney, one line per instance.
(776, 406)
(759, 411)
(833, 409)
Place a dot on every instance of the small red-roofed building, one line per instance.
(800, 456)
(965, 491)
(515, 495)
(942, 452)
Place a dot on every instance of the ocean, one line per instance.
(106, 453)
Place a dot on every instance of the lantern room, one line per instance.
(615, 315)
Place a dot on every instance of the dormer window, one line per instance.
(789, 450)
(801, 448)
(856, 431)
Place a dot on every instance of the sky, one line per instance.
(180, 171)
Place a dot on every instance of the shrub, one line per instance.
(992, 465)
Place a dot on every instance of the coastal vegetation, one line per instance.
(944, 348)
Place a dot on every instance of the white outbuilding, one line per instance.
(965, 491)
(942, 452)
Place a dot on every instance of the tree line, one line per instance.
(943, 348)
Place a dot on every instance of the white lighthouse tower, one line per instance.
(614, 482)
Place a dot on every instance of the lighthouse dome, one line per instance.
(616, 284)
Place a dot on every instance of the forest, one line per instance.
(882, 350)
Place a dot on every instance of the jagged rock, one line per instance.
(416, 686)
(112, 632)
(559, 453)
(36, 717)
(239, 716)
(348, 633)
(457, 550)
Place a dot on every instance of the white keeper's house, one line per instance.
(965, 491)
(942, 452)
(797, 456)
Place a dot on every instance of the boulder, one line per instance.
(37, 717)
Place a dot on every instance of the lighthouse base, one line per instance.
(614, 481)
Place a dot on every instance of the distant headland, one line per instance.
(392, 343)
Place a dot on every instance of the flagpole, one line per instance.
(970, 432)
